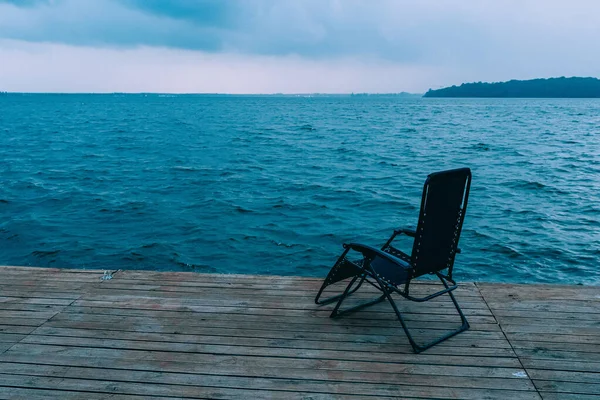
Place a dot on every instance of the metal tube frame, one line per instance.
(387, 291)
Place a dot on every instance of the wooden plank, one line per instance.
(283, 285)
(545, 329)
(209, 371)
(10, 337)
(540, 292)
(36, 354)
(17, 272)
(553, 338)
(479, 349)
(245, 310)
(291, 357)
(17, 329)
(543, 353)
(30, 307)
(556, 346)
(22, 321)
(568, 387)
(557, 307)
(572, 316)
(41, 294)
(564, 376)
(288, 282)
(251, 307)
(316, 317)
(5, 300)
(108, 294)
(239, 326)
(313, 317)
(559, 364)
(17, 393)
(254, 283)
(567, 396)
(534, 320)
(336, 327)
(45, 315)
(108, 389)
(467, 339)
(293, 293)
(5, 346)
(188, 385)
(472, 358)
(207, 277)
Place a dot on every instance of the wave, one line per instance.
(185, 168)
(534, 186)
(306, 127)
(242, 210)
(504, 249)
(480, 146)
(44, 253)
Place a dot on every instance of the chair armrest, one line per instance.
(370, 251)
(383, 266)
(406, 231)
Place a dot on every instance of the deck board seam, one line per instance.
(37, 327)
(82, 291)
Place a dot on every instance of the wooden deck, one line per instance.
(67, 334)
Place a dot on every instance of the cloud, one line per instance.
(101, 23)
(401, 30)
(460, 39)
(26, 3)
(146, 69)
(200, 12)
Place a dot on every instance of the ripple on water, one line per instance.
(274, 185)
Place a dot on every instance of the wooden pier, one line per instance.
(68, 334)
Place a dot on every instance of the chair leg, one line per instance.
(419, 348)
(337, 297)
(331, 279)
(336, 311)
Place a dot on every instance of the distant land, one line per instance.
(540, 88)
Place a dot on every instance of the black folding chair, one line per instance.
(435, 245)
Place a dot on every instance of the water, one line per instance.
(274, 185)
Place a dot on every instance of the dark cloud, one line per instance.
(25, 3)
(200, 12)
(316, 29)
(453, 32)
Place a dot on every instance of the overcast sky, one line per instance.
(291, 46)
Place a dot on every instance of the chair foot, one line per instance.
(420, 348)
(337, 313)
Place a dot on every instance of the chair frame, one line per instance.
(361, 271)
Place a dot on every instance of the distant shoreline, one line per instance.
(575, 87)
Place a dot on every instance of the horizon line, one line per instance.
(224, 94)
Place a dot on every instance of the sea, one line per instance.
(276, 184)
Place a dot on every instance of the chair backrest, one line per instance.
(443, 208)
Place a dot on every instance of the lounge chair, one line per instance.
(435, 245)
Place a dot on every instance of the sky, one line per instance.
(291, 46)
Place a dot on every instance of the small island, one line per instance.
(535, 88)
